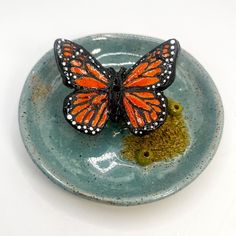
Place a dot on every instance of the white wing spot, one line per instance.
(69, 117)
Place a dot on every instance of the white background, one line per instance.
(32, 205)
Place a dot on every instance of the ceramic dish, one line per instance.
(92, 166)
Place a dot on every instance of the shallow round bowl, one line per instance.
(92, 166)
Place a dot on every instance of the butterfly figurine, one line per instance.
(134, 95)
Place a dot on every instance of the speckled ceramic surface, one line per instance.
(92, 166)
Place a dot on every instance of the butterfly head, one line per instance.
(114, 73)
(117, 78)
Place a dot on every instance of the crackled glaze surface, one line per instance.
(92, 166)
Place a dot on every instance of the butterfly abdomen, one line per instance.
(115, 94)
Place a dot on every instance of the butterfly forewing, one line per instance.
(156, 69)
(78, 68)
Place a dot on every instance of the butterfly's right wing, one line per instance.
(155, 70)
(143, 100)
(144, 110)
(87, 111)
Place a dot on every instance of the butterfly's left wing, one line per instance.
(79, 69)
(145, 106)
(87, 108)
(87, 111)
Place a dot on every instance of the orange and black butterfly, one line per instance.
(134, 95)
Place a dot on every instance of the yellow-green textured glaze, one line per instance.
(169, 141)
(91, 166)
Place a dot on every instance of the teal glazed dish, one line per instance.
(93, 166)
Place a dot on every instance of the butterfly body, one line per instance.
(134, 95)
(115, 94)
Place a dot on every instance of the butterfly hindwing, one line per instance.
(87, 111)
(78, 68)
(144, 110)
(156, 69)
